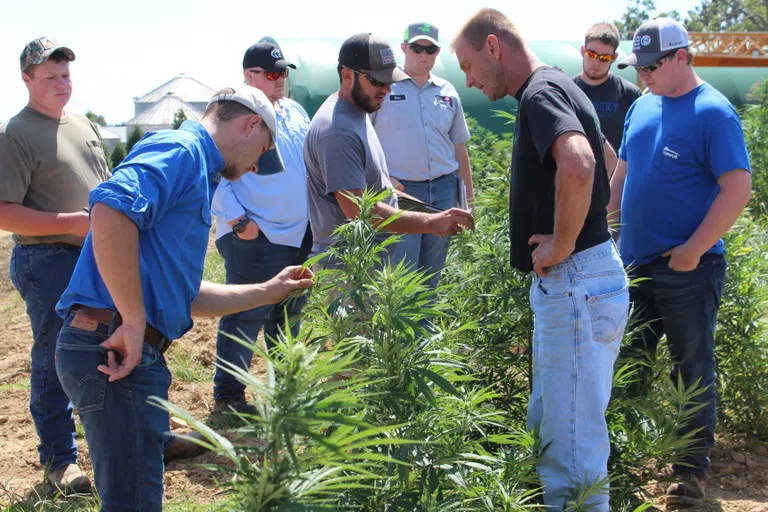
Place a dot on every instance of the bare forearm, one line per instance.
(21, 220)
(573, 195)
(723, 213)
(406, 223)
(225, 299)
(617, 191)
(116, 249)
(611, 158)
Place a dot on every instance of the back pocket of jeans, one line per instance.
(83, 383)
(608, 313)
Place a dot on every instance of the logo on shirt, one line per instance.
(443, 100)
(671, 154)
(397, 97)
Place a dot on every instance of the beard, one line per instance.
(363, 102)
(229, 172)
(596, 75)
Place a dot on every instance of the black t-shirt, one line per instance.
(611, 100)
(550, 105)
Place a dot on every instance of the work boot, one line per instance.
(180, 448)
(238, 404)
(70, 479)
(687, 490)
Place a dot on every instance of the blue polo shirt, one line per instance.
(676, 149)
(164, 186)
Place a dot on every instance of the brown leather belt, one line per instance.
(85, 316)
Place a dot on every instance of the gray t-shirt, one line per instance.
(50, 165)
(342, 152)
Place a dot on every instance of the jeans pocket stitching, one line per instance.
(97, 404)
(596, 318)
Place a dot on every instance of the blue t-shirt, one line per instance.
(675, 149)
(164, 186)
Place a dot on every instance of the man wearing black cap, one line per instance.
(343, 153)
(682, 180)
(259, 231)
(50, 159)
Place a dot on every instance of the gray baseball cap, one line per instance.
(653, 39)
(39, 50)
(371, 55)
(419, 31)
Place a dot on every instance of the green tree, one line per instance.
(637, 13)
(118, 154)
(179, 118)
(98, 119)
(729, 16)
(134, 137)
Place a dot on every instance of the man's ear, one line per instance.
(253, 123)
(493, 47)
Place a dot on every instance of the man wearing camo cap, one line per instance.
(50, 159)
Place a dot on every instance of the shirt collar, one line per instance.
(214, 160)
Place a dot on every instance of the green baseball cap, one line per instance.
(419, 31)
(40, 49)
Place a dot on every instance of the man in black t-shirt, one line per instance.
(610, 94)
(558, 197)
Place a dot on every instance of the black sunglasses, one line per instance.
(373, 81)
(650, 68)
(417, 48)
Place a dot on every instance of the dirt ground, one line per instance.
(738, 483)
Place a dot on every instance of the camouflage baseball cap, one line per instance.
(40, 49)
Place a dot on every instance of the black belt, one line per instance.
(110, 320)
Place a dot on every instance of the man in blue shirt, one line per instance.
(139, 281)
(262, 226)
(682, 180)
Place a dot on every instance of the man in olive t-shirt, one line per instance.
(50, 160)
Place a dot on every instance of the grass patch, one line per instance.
(185, 367)
(214, 268)
(15, 386)
(39, 499)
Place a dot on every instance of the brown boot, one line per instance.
(687, 490)
(70, 479)
(180, 448)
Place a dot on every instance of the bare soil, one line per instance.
(738, 481)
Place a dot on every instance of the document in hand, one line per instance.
(406, 203)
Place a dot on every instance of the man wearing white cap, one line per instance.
(682, 180)
(139, 281)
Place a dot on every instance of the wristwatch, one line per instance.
(239, 226)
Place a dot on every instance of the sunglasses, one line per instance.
(602, 57)
(650, 68)
(272, 76)
(373, 81)
(417, 48)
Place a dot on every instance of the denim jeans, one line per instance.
(247, 262)
(125, 434)
(428, 252)
(41, 273)
(580, 311)
(684, 305)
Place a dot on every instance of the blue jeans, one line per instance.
(125, 434)
(580, 311)
(684, 305)
(247, 262)
(41, 273)
(428, 252)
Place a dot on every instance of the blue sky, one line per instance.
(126, 49)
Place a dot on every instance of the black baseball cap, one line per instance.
(371, 55)
(653, 39)
(267, 57)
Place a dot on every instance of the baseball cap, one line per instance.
(653, 39)
(372, 55)
(271, 162)
(39, 50)
(419, 31)
(266, 56)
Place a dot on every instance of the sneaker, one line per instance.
(70, 479)
(238, 404)
(180, 448)
(687, 490)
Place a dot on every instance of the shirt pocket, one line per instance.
(679, 160)
(98, 160)
(444, 111)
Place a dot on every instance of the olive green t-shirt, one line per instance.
(50, 165)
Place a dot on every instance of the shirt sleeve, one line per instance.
(16, 166)
(549, 115)
(342, 159)
(225, 204)
(459, 132)
(148, 181)
(727, 150)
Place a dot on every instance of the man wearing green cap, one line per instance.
(50, 159)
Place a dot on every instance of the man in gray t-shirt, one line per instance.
(343, 154)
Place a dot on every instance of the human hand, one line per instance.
(548, 252)
(79, 223)
(682, 258)
(288, 281)
(251, 231)
(451, 222)
(128, 341)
